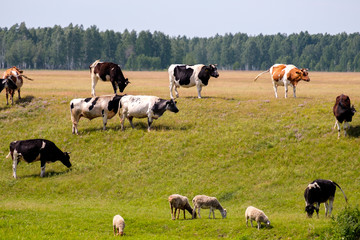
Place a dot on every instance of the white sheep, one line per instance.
(259, 216)
(206, 202)
(118, 225)
(179, 203)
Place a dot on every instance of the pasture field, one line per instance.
(238, 143)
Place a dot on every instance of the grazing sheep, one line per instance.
(179, 202)
(118, 225)
(259, 216)
(202, 201)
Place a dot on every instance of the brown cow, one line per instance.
(343, 112)
(15, 75)
(286, 75)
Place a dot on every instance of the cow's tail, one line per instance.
(261, 74)
(22, 75)
(94, 64)
(341, 190)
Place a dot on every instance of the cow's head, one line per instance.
(122, 84)
(171, 106)
(212, 70)
(66, 159)
(304, 74)
(309, 209)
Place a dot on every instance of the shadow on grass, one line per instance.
(209, 97)
(354, 131)
(138, 126)
(25, 100)
(47, 174)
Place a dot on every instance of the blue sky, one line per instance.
(190, 18)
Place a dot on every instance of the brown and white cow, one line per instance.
(107, 71)
(15, 75)
(286, 75)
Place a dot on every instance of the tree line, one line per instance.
(74, 47)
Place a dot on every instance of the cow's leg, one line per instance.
(294, 90)
(12, 97)
(171, 86)
(94, 81)
(176, 92)
(19, 93)
(75, 121)
(338, 127)
(331, 202)
(114, 85)
(275, 89)
(317, 209)
(346, 127)
(199, 87)
(326, 208)
(15, 157)
(42, 174)
(7, 97)
(286, 89)
(150, 120)
(130, 121)
(104, 115)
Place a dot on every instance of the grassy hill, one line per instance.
(238, 143)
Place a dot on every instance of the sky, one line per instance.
(190, 18)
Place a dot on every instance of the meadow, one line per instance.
(238, 143)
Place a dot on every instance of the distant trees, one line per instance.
(74, 47)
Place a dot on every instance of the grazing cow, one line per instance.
(186, 76)
(33, 150)
(320, 191)
(13, 75)
(145, 106)
(107, 71)
(104, 106)
(343, 112)
(286, 75)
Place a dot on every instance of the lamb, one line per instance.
(179, 202)
(203, 201)
(118, 225)
(259, 216)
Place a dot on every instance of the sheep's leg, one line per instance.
(213, 213)
(247, 219)
(259, 224)
(184, 214)
(114, 227)
(199, 212)
(172, 213)
(178, 209)
(210, 213)
(251, 223)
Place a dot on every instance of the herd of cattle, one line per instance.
(152, 107)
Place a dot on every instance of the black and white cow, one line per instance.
(343, 112)
(104, 106)
(320, 191)
(186, 76)
(33, 150)
(107, 71)
(7, 83)
(145, 106)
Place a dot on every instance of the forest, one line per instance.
(75, 48)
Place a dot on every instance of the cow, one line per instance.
(139, 106)
(181, 75)
(286, 75)
(107, 71)
(343, 112)
(104, 106)
(13, 75)
(33, 150)
(320, 191)
(6, 83)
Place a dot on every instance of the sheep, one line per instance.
(202, 201)
(179, 202)
(259, 216)
(118, 225)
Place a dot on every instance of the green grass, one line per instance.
(239, 144)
